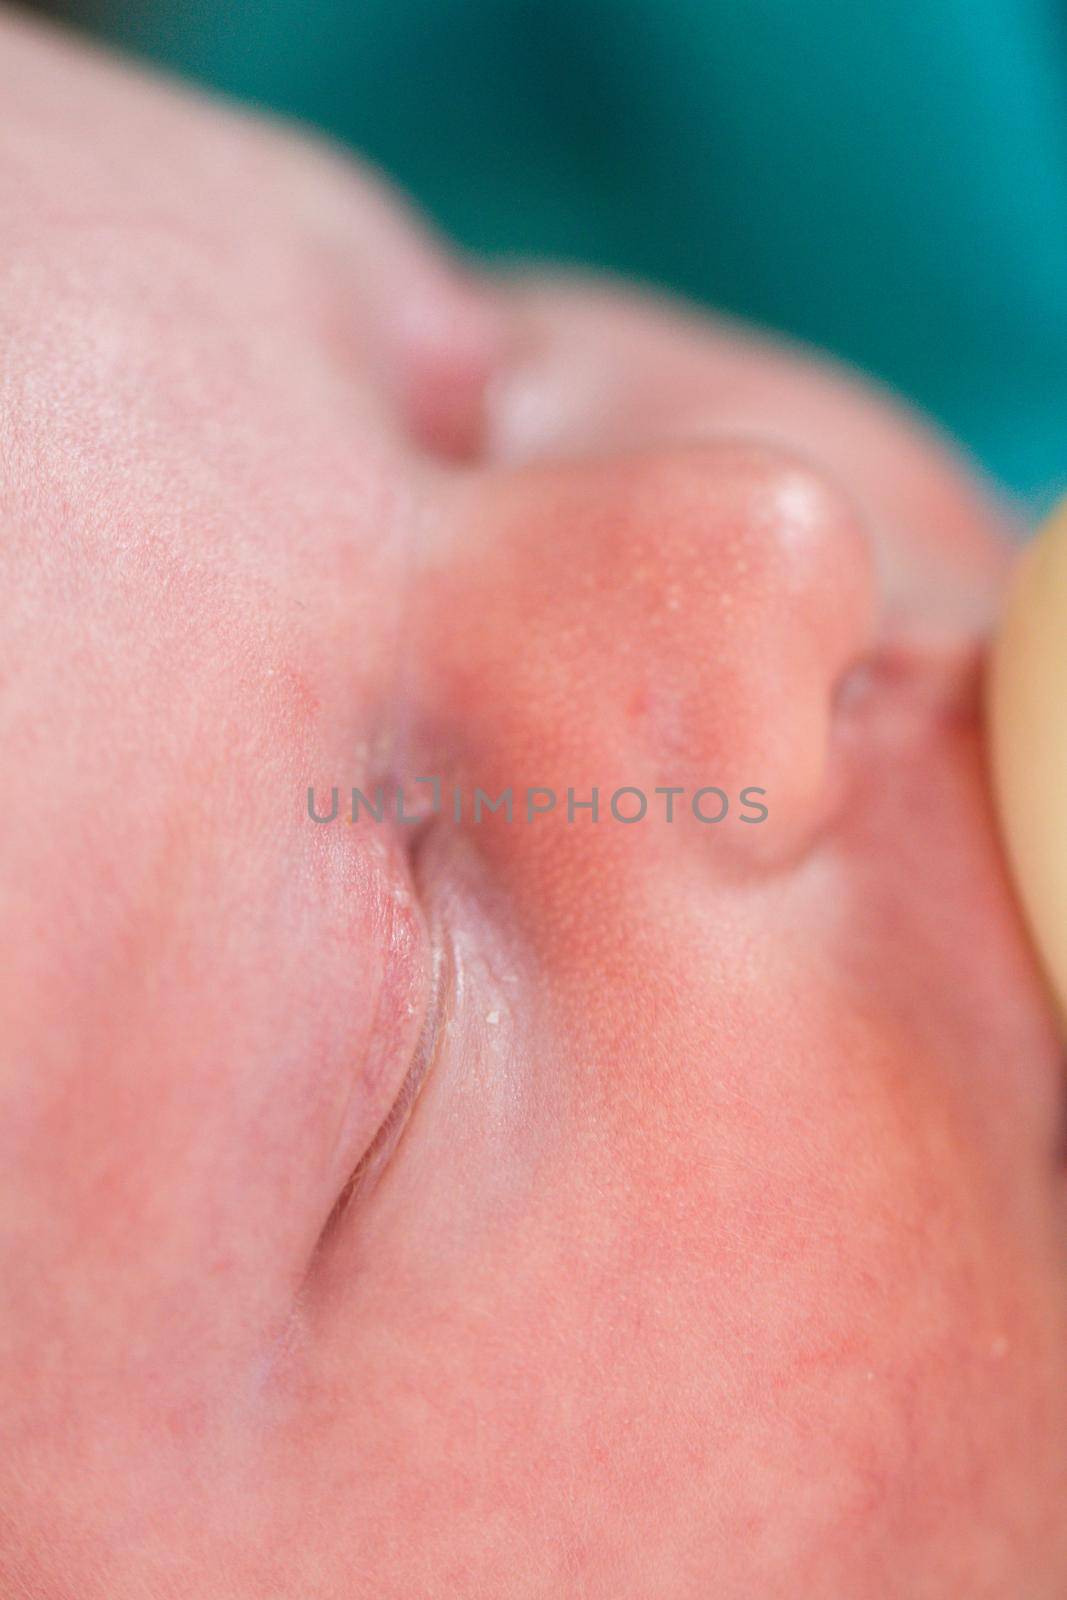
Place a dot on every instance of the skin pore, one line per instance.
(497, 1210)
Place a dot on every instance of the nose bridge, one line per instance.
(673, 618)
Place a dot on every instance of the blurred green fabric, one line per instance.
(886, 178)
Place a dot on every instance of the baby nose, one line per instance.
(675, 619)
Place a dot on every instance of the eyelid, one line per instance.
(439, 1010)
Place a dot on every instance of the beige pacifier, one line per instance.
(1028, 741)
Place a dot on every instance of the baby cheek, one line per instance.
(814, 1280)
(782, 1348)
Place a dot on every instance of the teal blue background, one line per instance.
(887, 178)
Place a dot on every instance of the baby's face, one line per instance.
(544, 1207)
